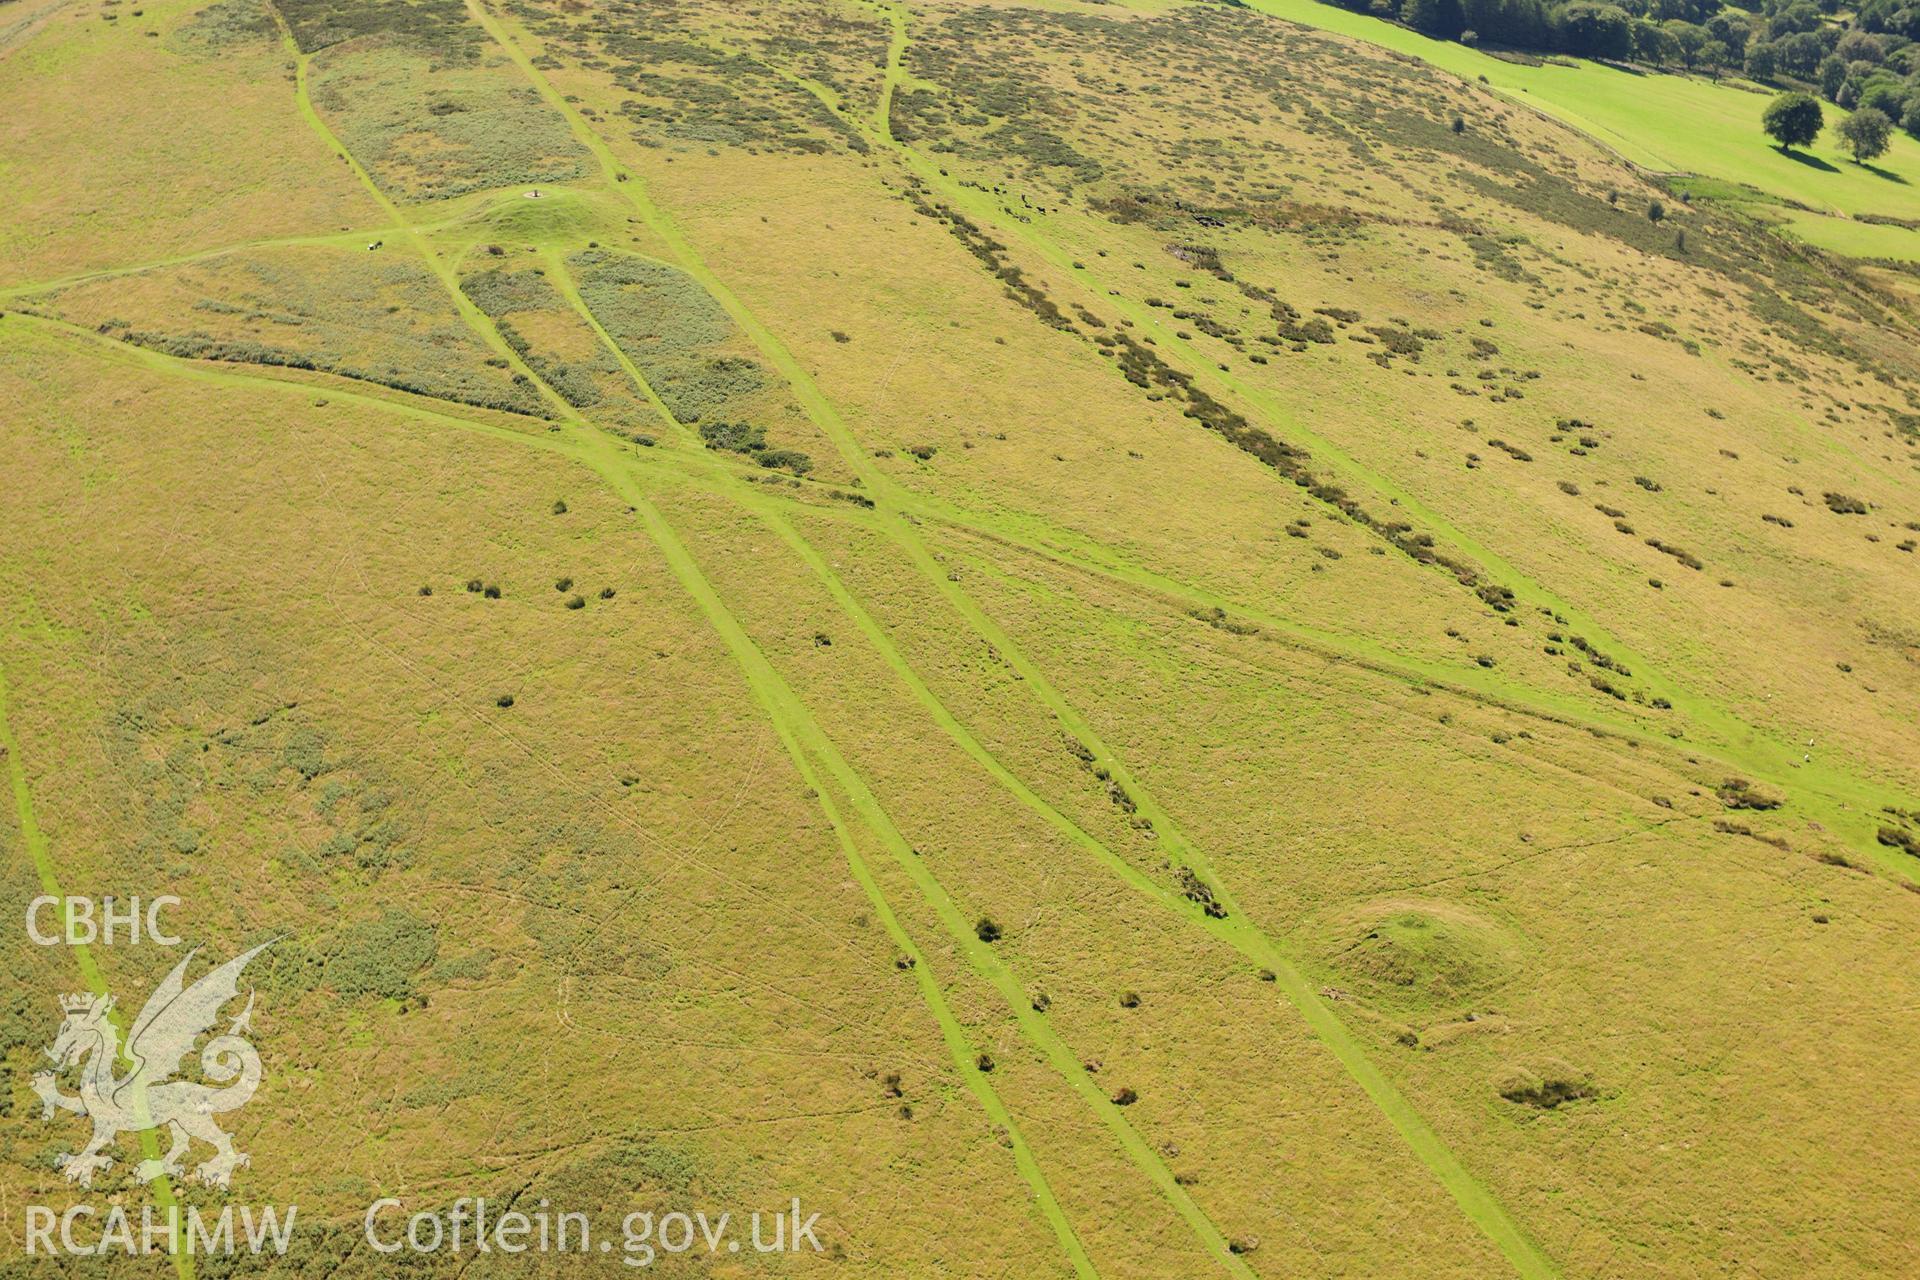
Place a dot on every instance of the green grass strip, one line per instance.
(42, 857)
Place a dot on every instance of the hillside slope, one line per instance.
(1116, 641)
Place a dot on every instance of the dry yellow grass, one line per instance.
(1137, 475)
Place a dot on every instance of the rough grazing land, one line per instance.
(1104, 639)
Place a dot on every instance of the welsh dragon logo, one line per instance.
(148, 1095)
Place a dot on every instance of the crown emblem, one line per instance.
(151, 1095)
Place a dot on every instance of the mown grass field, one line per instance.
(1087, 636)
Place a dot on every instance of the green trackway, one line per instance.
(1246, 940)
(1841, 801)
(805, 743)
(1035, 1027)
(700, 469)
(1791, 777)
(42, 858)
(1068, 550)
(825, 416)
(779, 700)
(609, 454)
(475, 319)
(809, 745)
(1513, 1242)
(1243, 937)
(187, 259)
(606, 459)
(1044, 542)
(1235, 930)
(1736, 743)
(598, 452)
(1486, 1213)
(180, 367)
(1146, 581)
(609, 461)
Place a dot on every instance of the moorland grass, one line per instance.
(1666, 122)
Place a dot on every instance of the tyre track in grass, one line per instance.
(1056, 546)
(1830, 800)
(1841, 800)
(1037, 1028)
(1486, 1213)
(601, 455)
(806, 744)
(1234, 931)
(336, 239)
(812, 752)
(470, 312)
(41, 856)
(729, 483)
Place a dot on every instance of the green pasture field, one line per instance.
(1675, 124)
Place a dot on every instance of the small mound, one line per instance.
(1547, 1084)
(557, 217)
(1418, 957)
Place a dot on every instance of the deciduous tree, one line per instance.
(1793, 119)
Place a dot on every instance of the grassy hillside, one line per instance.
(1678, 124)
(1105, 641)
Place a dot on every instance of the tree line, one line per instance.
(1867, 59)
